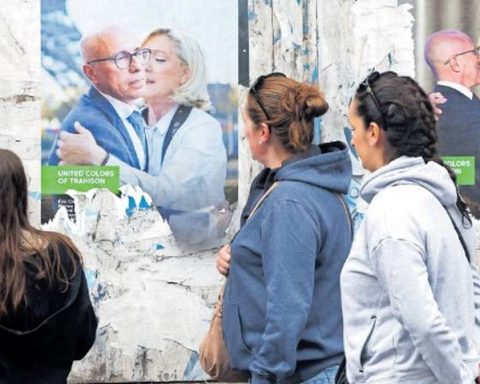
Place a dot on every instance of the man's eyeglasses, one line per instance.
(123, 59)
(475, 50)
(257, 84)
(366, 85)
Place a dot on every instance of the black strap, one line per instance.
(347, 213)
(462, 240)
(181, 114)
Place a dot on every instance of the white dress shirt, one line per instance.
(459, 87)
(155, 139)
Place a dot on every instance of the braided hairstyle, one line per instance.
(404, 112)
(291, 107)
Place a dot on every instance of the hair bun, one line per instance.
(304, 102)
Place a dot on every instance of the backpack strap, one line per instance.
(181, 114)
(347, 213)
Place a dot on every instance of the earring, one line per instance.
(261, 142)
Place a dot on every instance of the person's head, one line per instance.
(279, 114)
(114, 63)
(452, 56)
(391, 116)
(18, 239)
(176, 70)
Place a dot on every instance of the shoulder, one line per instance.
(63, 246)
(92, 108)
(400, 199)
(406, 212)
(312, 199)
(200, 118)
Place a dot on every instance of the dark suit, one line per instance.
(459, 135)
(96, 114)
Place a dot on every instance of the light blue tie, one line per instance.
(138, 124)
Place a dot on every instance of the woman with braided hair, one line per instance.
(407, 289)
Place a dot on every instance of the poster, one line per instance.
(459, 125)
(149, 265)
(167, 61)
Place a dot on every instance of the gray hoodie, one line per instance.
(407, 289)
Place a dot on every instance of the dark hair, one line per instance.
(22, 244)
(291, 107)
(404, 112)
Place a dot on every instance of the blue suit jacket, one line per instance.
(458, 131)
(96, 114)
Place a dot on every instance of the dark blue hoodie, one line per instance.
(282, 312)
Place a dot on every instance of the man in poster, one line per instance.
(114, 64)
(455, 63)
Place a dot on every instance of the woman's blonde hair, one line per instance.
(194, 91)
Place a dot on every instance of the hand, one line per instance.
(436, 98)
(79, 148)
(223, 260)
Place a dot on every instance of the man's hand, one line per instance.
(223, 260)
(79, 148)
(436, 98)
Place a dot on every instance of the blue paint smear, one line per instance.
(158, 246)
(315, 75)
(143, 203)
(390, 58)
(251, 15)
(90, 276)
(268, 3)
(306, 67)
(191, 363)
(35, 195)
(132, 206)
(99, 294)
(277, 37)
(348, 139)
(317, 130)
(90, 212)
(299, 1)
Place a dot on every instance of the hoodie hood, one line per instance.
(411, 170)
(326, 165)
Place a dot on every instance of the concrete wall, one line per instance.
(153, 298)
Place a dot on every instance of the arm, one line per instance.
(195, 163)
(401, 270)
(87, 321)
(79, 148)
(223, 260)
(288, 260)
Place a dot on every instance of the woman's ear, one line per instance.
(373, 134)
(186, 73)
(264, 132)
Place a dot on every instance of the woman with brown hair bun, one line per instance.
(46, 317)
(281, 307)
